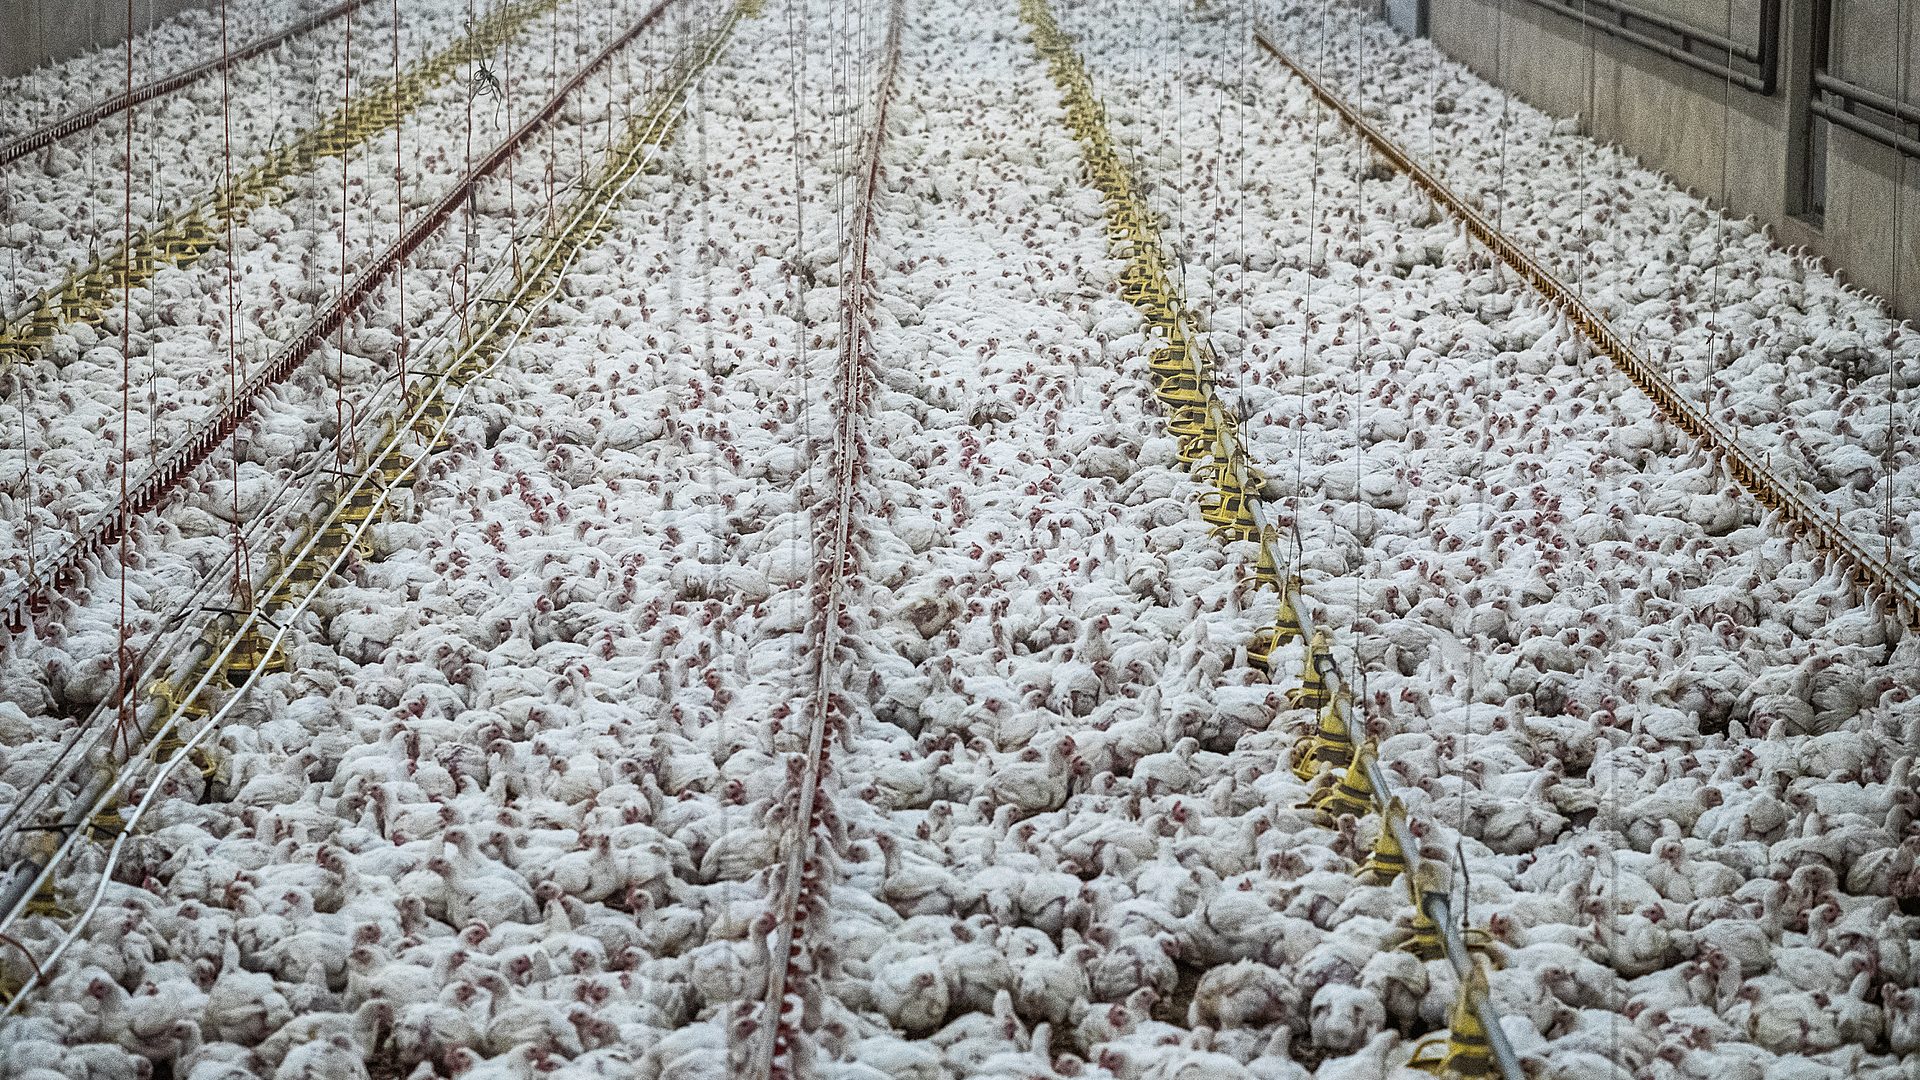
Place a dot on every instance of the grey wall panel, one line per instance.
(36, 32)
(1865, 49)
(1711, 16)
(1688, 124)
(1865, 189)
(1406, 16)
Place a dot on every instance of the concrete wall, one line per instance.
(36, 32)
(1405, 16)
(1735, 147)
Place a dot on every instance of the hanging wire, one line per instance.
(579, 49)
(1244, 34)
(1611, 857)
(28, 471)
(465, 274)
(1506, 120)
(1306, 314)
(1903, 31)
(1361, 156)
(1585, 246)
(703, 213)
(1173, 106)
(1712, 381)
(122, 655)
(552, 130)
(505, 100)
(699, 105)
(346, 258)
(400, 209)
(242, 566)
(798, 272)
(1481, 486)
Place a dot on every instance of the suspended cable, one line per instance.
(400, 209)
(346, 258)
(1585, 244)
(242, 566)
(1360, 361)
(1306, 315)
(1712, 381)
(126, 731)
(1903, 31)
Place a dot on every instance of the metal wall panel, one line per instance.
(37, 32)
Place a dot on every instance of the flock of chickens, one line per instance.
(1813, 375)
(288, 265)
(514, 806)
(67, 208)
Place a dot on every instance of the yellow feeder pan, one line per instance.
(1141, 291)
(1353, 792)
(1142, 270)
(1180, 390)
(13, 351)
(1228, 514)
(1126, 229)
(1228, 476)
(1269, 640)
(1260, 650)
(46, 322)
(1192, 449)
(106, 824)
(1266, 571)
(188, 241)
(1465, 1051)
(1387, 861)
(1190, 422)
(1330, 744)
(394, 471)
(166, 746)
(132, 268)
(361, 501)
(1423, 939)
(1286, 621)
(333, 540)
(1312, 693)
(95, 287)
(252, 654)
(45, 902)
(1169, 360)
(75, 306)
(164, 690)
(1159, 311)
